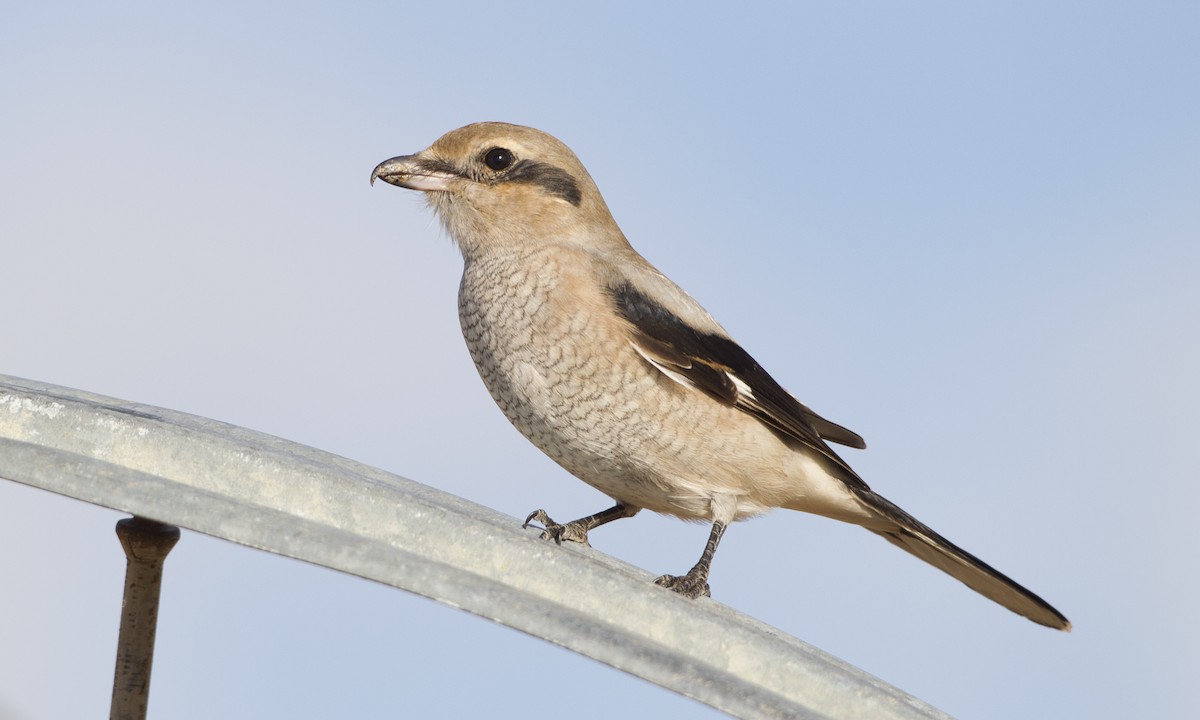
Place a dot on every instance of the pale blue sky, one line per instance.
(970, 233)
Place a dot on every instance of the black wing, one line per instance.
(720, 368)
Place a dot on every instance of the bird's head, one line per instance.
(499, 184)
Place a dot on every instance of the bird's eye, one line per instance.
(498, 158)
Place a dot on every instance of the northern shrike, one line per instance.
(622, 378)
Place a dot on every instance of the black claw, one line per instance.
(574, 531)
(538, 515)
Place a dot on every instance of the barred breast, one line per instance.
(560, 366)
(557, 371)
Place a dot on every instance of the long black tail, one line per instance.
(919, 539)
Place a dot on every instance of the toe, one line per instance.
(540, 517)
(689, 586)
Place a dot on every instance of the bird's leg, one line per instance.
(577, 530)
(695, 583)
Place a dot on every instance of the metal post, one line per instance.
(146, 544)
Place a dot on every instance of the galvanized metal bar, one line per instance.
(293, 500)
(146, 545)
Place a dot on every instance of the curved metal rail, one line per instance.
(286, 498)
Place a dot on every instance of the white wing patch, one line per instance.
(662, 367)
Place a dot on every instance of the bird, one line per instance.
(625, 381)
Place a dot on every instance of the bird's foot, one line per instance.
(692, 585)
(574, 531)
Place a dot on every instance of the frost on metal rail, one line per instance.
(286, 498)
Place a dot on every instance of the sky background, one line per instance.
(969, 232)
